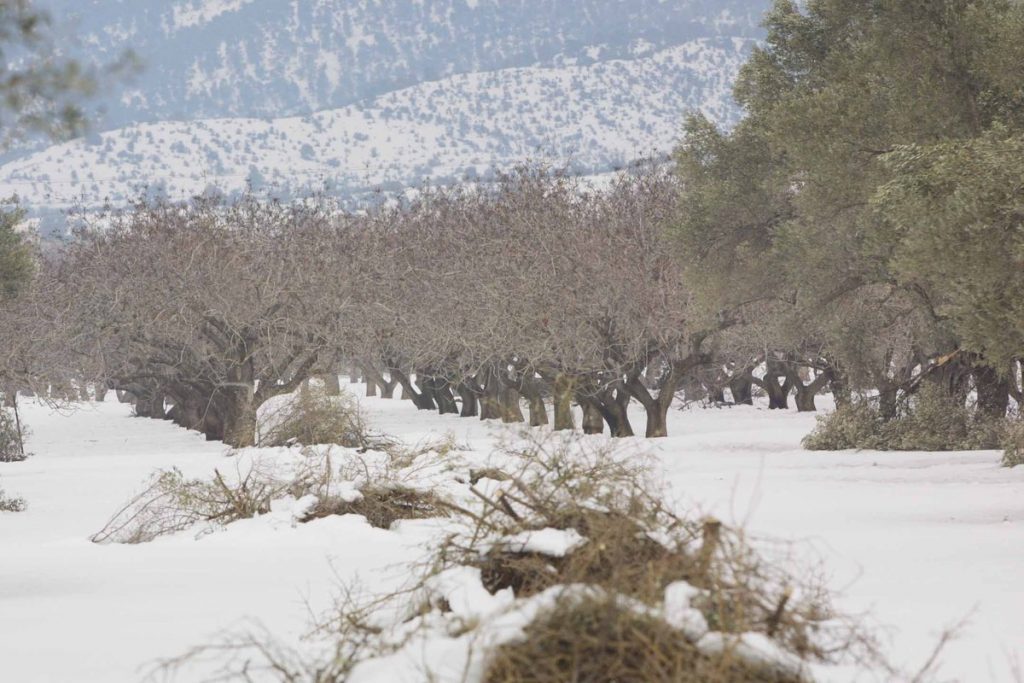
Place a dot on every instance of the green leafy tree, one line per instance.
(17, 262)
(875, 159)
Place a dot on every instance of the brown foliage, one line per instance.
(600, 641)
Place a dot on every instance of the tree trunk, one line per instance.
(151, 405)
(240, 417)
(778, 393)
(993, 391)
(593, 422)
(657, 419)
(332, 385)
(212, 424)
(424, 400)
(124, 396)
(656, 409)
(805, 399)
(421, 401)
(840, 388)
(538, 412)
(441, 390)
(563, 391)
(375, 379)
(693, 390)
(616, 413)
(469, 401)
(353, 375)
(511, 411)
(742, 389)
(490, 399)
(887, 396)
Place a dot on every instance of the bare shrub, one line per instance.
(11, 504)
(565, 563)
(171, 503)
(381, 505)
(596, 640)
(631, 544)
(313, 417)
(12, 447)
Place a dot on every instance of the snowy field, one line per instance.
(918, 542)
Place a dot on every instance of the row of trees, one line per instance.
(534, 289)
(860, 231)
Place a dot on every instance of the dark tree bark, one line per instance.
(421, 401)
(563, 388)
(468, 393)
(441, 390)
(616, 413)
(840, 388)
(490, 398)
(657, 407)
(805, 393)
(593, 422)
(511, 411)
(332, 385)
(993, 391)
(741, 386)
(239, 417)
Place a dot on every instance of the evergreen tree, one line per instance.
(874, 184)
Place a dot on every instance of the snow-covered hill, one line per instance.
(595, 117)
(350, 96)
(273, 58)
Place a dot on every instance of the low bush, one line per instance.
(598, 640)
(1013, 445)
(11, 504)
(313, 417)
(382, 505)
(311, 479)
(853, 426)
(929, 421)
(12, 447)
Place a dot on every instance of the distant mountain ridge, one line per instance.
(274, 58)
(350, 95)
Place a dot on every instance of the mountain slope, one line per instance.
(273, 58)
(349, 96)
(593, 117)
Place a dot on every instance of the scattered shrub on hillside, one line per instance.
(12, 447)
(929, 421)
(313, 417)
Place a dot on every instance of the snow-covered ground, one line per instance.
(920, 541)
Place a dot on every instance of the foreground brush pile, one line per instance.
(562, 561)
